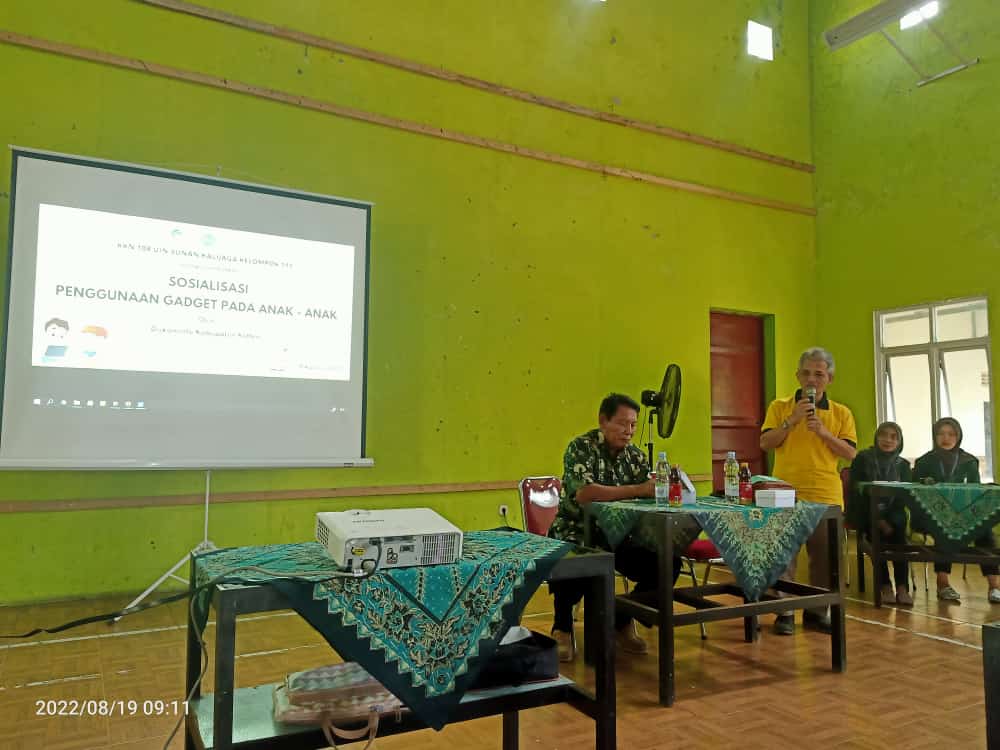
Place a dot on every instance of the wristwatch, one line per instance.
(785, 425)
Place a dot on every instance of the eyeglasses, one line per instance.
(631, 424)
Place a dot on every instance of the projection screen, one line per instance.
(164, 319)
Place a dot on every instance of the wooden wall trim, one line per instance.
(304, 102)
(314, 493)
(411, 66)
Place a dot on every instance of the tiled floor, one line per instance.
(914, 680)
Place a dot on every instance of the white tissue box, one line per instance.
(775, 498)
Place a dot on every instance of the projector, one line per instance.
(402, 538)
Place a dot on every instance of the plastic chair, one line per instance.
(701, 550)
(845, 484)
(539, 503)
(911, 538)
(845, 478)
(539, 506)
(924, 539)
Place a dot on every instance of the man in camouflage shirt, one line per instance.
(603, 466)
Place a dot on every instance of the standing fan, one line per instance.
(664, 404)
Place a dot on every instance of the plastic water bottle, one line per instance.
(662, 479)
(732, 472)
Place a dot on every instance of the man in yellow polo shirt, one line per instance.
(809, 440)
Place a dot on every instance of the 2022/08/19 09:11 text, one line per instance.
(121, 707)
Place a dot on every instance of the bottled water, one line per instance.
(662, 479)
(732, 472)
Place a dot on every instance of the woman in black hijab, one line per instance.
(948, 463)
(882, 462)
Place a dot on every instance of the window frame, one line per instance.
(935, 360)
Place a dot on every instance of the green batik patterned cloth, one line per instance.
(757, 544)
(424, 632)
(618, 520)
(588, 461)
(954, 514)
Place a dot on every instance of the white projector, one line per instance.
(392, 538)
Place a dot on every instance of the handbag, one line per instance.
(523, 656)
(335, 694)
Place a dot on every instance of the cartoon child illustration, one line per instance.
(92, 339)
(56, 330)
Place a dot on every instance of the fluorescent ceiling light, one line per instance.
(909, 13)
(760, 41)
(870, 21)
(920, 15)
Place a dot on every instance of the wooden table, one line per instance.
(659, 606)
(880, 552)
(244, 717)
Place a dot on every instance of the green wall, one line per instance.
(906, 181)
(508, 296)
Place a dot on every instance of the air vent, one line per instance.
(438, 548)
(323, 534)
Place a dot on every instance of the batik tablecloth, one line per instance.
(423, 632)
(757, 544)
(954, 514)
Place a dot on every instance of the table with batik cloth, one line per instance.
(756, 544)
(423, 632)
(954, 516)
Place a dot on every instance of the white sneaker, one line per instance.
(994, 596)
(948, 594)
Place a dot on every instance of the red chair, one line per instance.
(539, 506)
(704, 551)
(539, 503)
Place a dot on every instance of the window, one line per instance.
(760, 41)
(933, 361)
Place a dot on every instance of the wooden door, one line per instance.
(737, 345)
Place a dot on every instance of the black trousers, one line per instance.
(636, 563)
(900, 568)
(986, 540)
(895, 516)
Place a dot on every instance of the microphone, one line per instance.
(811, 395)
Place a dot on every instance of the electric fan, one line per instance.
(663, 404)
